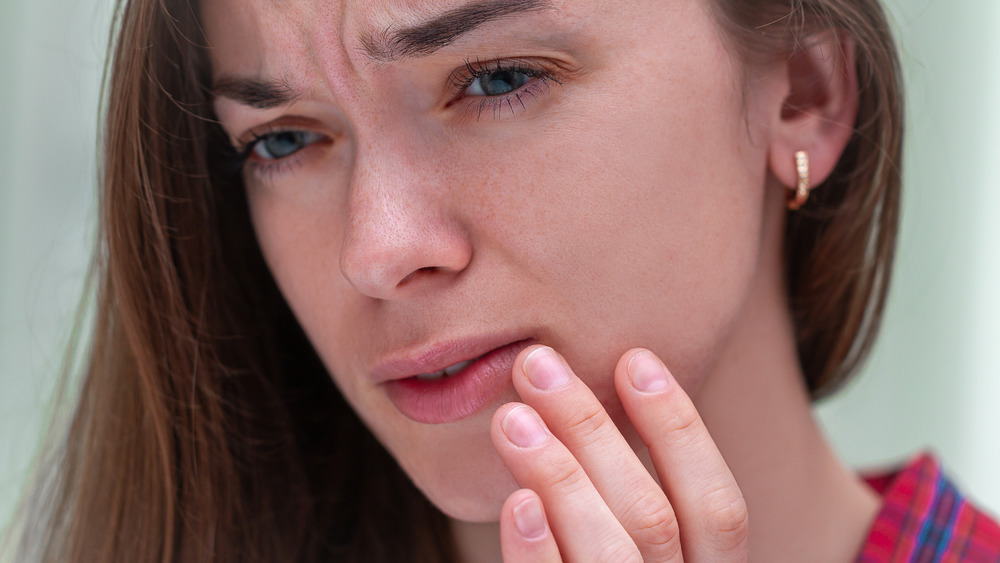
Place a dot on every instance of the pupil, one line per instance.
(283, 144)
(502, 81)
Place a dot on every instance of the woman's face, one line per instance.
(441, 181)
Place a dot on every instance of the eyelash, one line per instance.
(460, 81)
(464, 77)
(265, 169)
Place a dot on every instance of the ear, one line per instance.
(819, 108)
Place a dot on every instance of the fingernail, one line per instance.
(544, 369)
(528, 519)
(523, 427)
(647, 373)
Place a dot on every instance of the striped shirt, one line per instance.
(925, 518)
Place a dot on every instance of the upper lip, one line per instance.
(437, 355)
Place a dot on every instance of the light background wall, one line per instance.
(934, 380)
(51, 60)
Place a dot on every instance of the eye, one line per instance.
(281, 144)
(498, 82)
(501, 87)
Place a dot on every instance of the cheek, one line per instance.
(643, 224)
(300, 243)
(300, 236)
(298, 239)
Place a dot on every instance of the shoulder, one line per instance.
(925, 518)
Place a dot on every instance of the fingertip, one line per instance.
(496, 423)
(523, 427)
(528, 515)
(519, 425)
(626, 360)
(502, 411)
(523, 355)
(525, 534)
(542, 368)
(640, 370)
(648, 374)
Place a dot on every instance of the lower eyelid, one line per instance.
(507, 105)
(267, 170)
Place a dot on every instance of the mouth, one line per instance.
(446, 372)
(426, 393)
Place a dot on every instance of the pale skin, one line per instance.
(628, 209)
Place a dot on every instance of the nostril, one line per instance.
(417, 274)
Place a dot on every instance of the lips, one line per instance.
(448, 371)
(449, 382)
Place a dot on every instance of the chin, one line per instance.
(471, 486)
(479, 500)
(457, 470)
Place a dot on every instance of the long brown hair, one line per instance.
(207, 429)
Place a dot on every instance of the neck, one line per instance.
(804, 504)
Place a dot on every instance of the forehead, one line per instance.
(248, 30)
(247, 36)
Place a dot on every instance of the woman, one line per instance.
(363, 255)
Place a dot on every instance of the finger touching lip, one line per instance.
(434, 395)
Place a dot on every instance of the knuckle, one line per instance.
(660, 536)
(653, 522)
(659, 530)
(684, 421)
(728, 519)
(585, 423)
(564, 476)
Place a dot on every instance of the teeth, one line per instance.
(446, 372)
(429, 376)
(452, 370)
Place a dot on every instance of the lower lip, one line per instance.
(452, 398)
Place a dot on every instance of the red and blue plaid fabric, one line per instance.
(924, 518)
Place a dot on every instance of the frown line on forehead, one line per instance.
(425, 38)
(420, 38)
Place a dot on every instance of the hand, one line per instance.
(586, 495)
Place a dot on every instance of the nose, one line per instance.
(402, 235)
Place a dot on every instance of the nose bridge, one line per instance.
(382, 208)
(400, 228)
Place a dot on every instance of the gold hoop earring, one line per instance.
(801, 194)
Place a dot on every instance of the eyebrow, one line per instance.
(254, 92)
(425, 38)
(388, 45)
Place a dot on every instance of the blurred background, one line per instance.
(933, 382)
